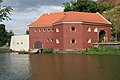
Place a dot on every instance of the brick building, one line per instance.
(68, 31)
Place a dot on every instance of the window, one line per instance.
(47, 40)
(35, 30)
(21, 42)
(57, 30)
(51, 40)
(18, 43)
(73, 28)
(39, 30)
(43, 30)
(48, 30)
(52, 29)
(96, 30)
(57, 41)
(89, 29)
(89, 40)
(72, 41)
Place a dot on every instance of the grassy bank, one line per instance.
(102, 51)
(4, 49)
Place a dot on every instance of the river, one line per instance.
(59, 67)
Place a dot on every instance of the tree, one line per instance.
(113, 16)
(112, 2)
(4, 12)
(5, 36)
(27, 31)
(86, 6)
(9, 34)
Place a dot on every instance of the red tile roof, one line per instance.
(49, 19)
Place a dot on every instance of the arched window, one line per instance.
(102, 36)
(37, 45)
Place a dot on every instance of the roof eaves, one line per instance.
(103, 17)
(96, 24)
(58, 23)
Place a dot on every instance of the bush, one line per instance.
(48, 50)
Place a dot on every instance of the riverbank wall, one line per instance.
(107, 45)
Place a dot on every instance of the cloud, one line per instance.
(20, 20)
(33, 4)
(27, 11)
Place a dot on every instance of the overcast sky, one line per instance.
(27, 11)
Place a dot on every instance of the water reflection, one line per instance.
(14, 67)
(74, 67)
(59, 67)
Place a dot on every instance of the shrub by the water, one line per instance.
(48, 51)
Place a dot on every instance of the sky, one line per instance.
(27, 11)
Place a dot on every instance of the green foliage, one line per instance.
(9, 34)
(6, 47)
(5, 36)
(101, 50)
(113, 16)
(27, 31)
(86, 6)
(48, 51)
(4, 12)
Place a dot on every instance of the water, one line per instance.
(59, 67)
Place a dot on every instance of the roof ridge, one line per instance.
(62, 19)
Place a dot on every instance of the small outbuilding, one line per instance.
(20, 43)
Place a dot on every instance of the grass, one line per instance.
(101, 50)
(5, 47)
(48, 51)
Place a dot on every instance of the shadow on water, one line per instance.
(59, 67)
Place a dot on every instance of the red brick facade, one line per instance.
(69, 35)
